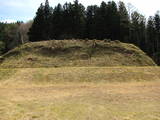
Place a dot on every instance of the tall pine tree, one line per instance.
(150, 36)
(57, 22)
(90, 28)
(41, 26)
(138, 30)
(124, 23)
(47, 20)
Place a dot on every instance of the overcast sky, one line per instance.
(24, 10)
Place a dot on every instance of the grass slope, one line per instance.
(75, 53)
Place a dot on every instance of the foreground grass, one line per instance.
(131, 101)
(120, 93)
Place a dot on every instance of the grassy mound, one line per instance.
(77, 53)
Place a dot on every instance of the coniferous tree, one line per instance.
(57, 22)
(150, 36)
(67, 21)
(101, 22)
(36, 32)
(41, 26)
(113, 20)
(138, 29)
(78, 19)
(124, 23)
(73, 23)
(90, 30)
(142, 33)
(47, 20)
(157, 29)
(156, 54)
(2, 38)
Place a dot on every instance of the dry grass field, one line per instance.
(80, 93)
(71, 80)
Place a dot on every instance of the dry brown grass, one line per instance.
(125, 101)
(118, 93)
(38, 76)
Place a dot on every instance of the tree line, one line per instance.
(110, 20)
(13, 35)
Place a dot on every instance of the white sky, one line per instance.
(13, 10)
(146, 7)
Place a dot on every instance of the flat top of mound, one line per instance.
(79, 53)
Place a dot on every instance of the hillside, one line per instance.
(77, 53)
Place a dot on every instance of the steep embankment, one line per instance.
(75, 53)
